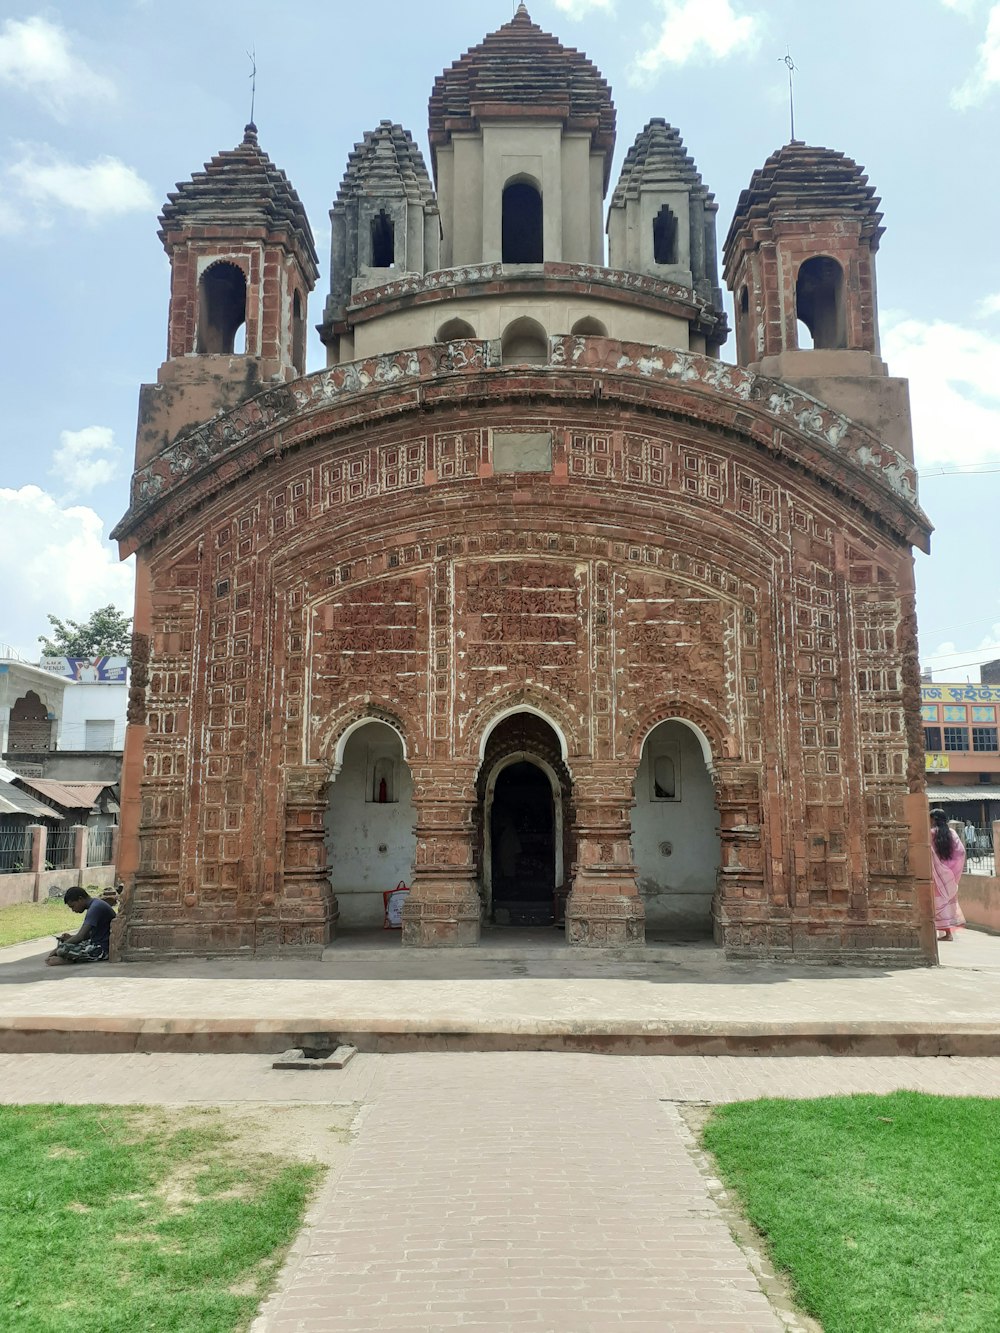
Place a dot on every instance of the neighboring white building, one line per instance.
(62, 705)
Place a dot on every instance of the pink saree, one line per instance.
(947, 913)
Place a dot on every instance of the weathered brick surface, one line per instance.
(707, 546)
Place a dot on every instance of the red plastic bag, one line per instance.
(392, 906)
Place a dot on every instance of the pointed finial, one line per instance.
(252, 57)
(792, 68)
(522, 12)
(250, 132)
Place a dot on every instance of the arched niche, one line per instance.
(222, 308)
(521, 223)
(383, 240)
(298, 334)
(455, 330)
(676, 845)
(819, 301)
(30, 726)
(589, 327)
(370, 821)
(524, 341)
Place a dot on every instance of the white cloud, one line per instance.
(954, 375)
(578, 9)
(35, 58)
(986, 73)
(989, 305)
(696, 28)
(56, 559)
(104, 188)
(85, 459)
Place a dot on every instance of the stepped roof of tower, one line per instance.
(802, 181)
(386, 162)
(521, 71)
(240, 187)
(658, 156)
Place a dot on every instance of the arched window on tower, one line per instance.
(743, 341)
(298, 335)
(521, 230)
(383, 240)
(222, 307)
(665, 236)
(819, 301)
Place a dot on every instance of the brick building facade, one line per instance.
(527, 599)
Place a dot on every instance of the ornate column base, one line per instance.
(605, 921)
(441, 919)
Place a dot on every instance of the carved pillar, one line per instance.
(604, 908)
(443, 907)
(746, 917)
(306, 915)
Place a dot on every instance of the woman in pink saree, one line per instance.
(948, 862)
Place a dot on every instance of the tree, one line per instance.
(107, 633)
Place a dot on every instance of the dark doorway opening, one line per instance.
(521, 229)
(523, 847)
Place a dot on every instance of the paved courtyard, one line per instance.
(502, 1191)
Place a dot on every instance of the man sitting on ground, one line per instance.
(91, 942)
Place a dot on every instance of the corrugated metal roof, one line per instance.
(71, 795)
(948, 794)
(14, 801)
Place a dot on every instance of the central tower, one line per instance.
(522, 130)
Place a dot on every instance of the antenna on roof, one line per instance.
(787, 60)
(252, 57)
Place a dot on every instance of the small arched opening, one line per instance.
(819, 301)
(298, 334)
(675, 833)
(455, 330)
(665, 236)
(30, 728)
(383, 240)
(521, 225)
(524, 792)
(589, 327)
(370, 822)
(222, 308)
(524, 340)
(743, 343)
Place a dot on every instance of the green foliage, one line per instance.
(114, 1219)
(107, 633)
(883, 1210)
(30, 921)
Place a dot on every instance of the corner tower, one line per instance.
(521, 130)
(799, 259)
(242, 265)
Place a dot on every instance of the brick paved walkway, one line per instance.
(552, 1192)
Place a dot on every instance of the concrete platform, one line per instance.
(519, 991)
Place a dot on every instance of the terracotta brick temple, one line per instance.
(527, 600)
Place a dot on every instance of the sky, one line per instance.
(105, 105)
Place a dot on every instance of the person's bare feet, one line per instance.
(946, 935)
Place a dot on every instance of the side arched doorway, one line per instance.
(524, 790)
(370, 838)
(675, 833)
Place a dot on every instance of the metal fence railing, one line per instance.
(99, 846)
(59, 849)
(15, 850)
(980, 858)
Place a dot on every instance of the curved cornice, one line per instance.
(478, 281)
(776, 418)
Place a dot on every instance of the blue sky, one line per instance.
(105, 105)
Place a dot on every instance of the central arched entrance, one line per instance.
(524, 790)
(522, 846)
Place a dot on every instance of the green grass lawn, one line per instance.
(127, 1219)
(884, 1211)
(29, 921)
